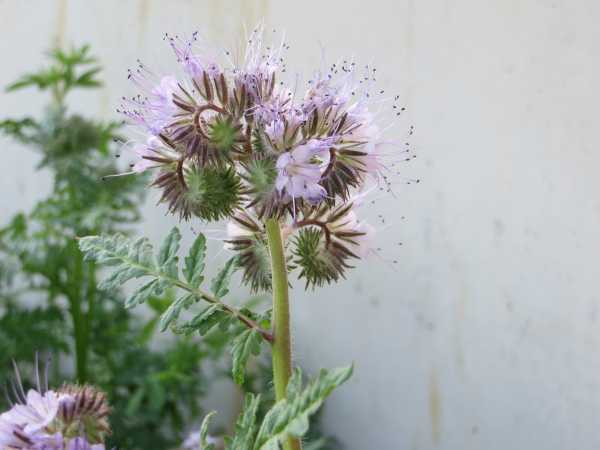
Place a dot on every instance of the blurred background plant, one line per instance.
(49, 296)
(49, 299)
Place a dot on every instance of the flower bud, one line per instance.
(225, 135)
(211, 193)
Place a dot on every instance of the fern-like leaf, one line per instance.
(245, 427)
(245, 344)
(194, 262)
(289, 417)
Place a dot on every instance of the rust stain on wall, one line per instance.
(459, 319)
(62, 8)
(435, 407)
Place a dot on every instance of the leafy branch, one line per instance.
(289, 417)
(135, 259)
(69, 69)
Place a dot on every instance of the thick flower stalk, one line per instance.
(230, 139)
(70, 418)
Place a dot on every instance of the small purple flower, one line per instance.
(35, 415)
(193, 63)
(44, 419)
(152, 154)
(11, 435)
(80, 443)
(259, 66)
(300, 170)
(325, 94)
(155, 109)
(48, 442)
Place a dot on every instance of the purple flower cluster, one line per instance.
(44, 419)
(232, 140)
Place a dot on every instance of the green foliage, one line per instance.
(153, 393)
(220, 284)
(133, 258)
(68, 70)
(288, 417)
(245, 427)
(242, 346)
(194, 262)
(204, 445)
(26, 331)
(49, 301)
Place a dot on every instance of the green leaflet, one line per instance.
(220, 284)
(204, 445)
(245, 426)
(204, 321)
(133, 259)
(290, 416)
(153, 288)
(174, 309)
(167, 258)
(194, 262)
(246, 343)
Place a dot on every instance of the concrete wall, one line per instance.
(485, 333)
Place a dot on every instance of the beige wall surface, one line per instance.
(485, 334)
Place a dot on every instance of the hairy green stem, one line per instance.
(91, 305)
(282, 346)
(77, 316)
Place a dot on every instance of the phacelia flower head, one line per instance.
(231, 139)
(73, 417)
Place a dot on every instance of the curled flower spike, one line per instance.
(235, 141)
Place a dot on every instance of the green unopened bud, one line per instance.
(260, 176)
(321, 261)
(246, 237)
(225, 135)
(212, 193)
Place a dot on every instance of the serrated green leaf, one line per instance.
(289, 417)
(122, 274)
(156, 394)
(294, 387)
(206, 320)
(135, 401)
(142, 294)
(133, 259)
(204, 445)
(243, 345)
(194, 262)
(86, 79)
(245, 426)
(167, 258)
(173, 311)
(220, 284)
